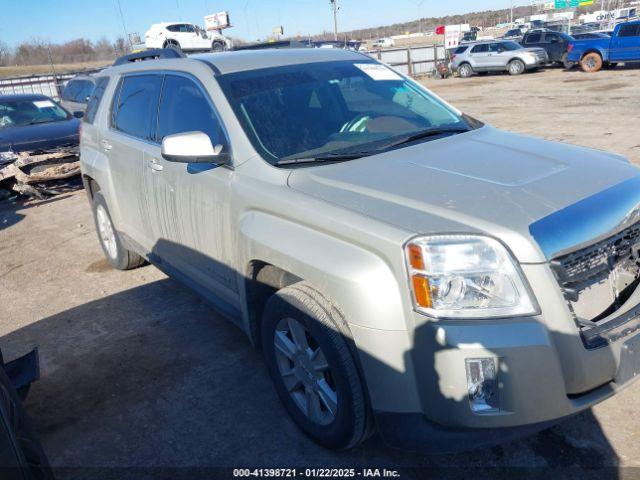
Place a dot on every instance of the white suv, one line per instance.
(186, 37)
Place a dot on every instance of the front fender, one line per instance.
(358, 280)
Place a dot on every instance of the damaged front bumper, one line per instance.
(41, 173)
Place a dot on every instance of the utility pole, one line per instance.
(335, 7)
(512, 12)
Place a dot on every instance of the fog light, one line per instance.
(482, 384)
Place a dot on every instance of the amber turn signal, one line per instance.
(414, 253)
(421, 291)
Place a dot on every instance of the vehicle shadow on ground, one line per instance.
(9, 215)
(152, 377)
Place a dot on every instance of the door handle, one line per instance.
(155, 166)
(106, 145)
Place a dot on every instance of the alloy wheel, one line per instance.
(305, 371)
(106, 232)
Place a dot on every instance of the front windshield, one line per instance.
(22, 112)
(327, 108)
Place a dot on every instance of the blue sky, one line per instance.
(60, 20)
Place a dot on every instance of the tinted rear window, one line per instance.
(95, 99)
(135, 108)
(460, 50)
(70, 90)
(629, 31)
(482, 48)
(534, 38)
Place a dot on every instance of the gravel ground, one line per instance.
(138, 372)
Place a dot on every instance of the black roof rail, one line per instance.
(278, 45)
(151, 54)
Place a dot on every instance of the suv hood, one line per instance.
(484, 181)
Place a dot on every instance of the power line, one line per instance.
(124, 25)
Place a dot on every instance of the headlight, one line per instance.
(466, 276)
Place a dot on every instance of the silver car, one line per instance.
(76, 93)
(402, 266)
(497, 56)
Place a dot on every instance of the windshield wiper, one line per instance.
(431, 132)
(321, 158)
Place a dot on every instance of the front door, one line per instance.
(625, 46)
(130, 132)
(191, 224)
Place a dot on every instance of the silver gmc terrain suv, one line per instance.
(402, 266)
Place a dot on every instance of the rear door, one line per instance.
(190, 216)
(131, 132)
(625, 46)
(479, 56)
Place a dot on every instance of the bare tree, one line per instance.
(5, 54)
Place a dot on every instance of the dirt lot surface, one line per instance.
(137, 371)
(600, 110)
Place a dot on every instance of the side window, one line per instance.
(482, 48)
(189, 28)
(84, 91)
(534, 38)
(629, 31)
(460, 50)
(551, 38)
(496, 48)
(70, 91)
(96, 98)
(185, 108)
(134, 109)
(173, 28)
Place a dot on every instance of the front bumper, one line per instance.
(418, 386)
(535, 61)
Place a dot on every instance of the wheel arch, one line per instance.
(593, 50)
(358, 282)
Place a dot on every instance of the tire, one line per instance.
(217, 47)
(114, 251)
(465, 70)
(313, 355)
(591, 62)
(516, 67)
(174, 45)
(16, 430)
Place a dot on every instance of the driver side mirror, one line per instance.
(78, 114)
(193, 147)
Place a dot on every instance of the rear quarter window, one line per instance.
(95, 99)
(460, 50)
(629, 30)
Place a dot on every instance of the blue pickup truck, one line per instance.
(595, 53)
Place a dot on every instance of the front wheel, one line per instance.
(313, 368)
(591, 63)
(516, 67)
